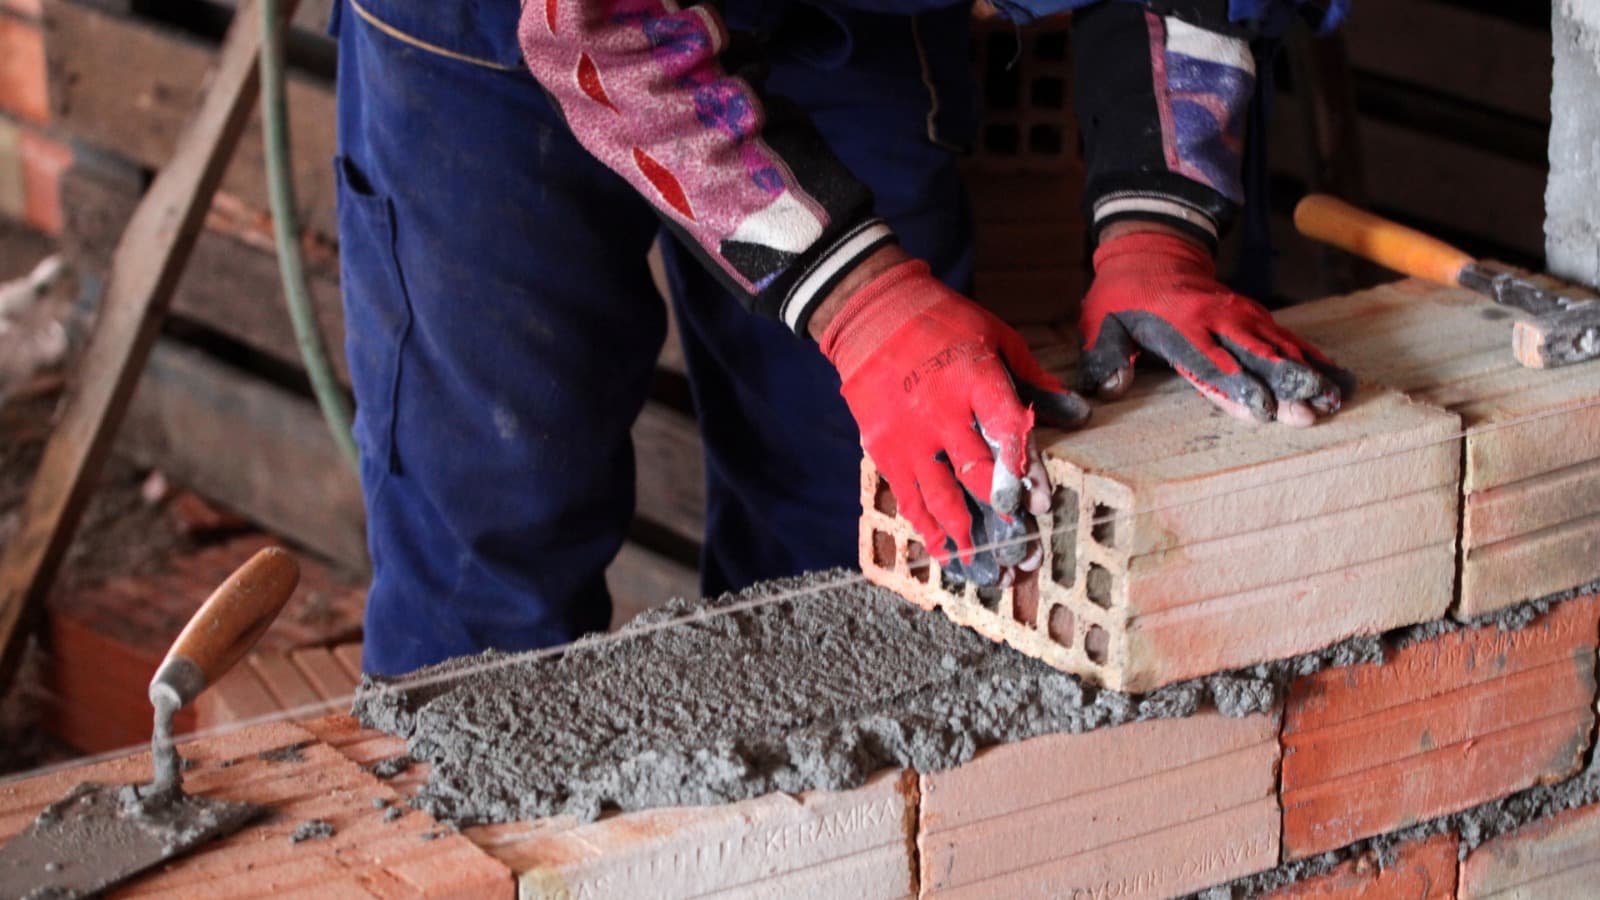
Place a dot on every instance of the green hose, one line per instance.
(286, 229)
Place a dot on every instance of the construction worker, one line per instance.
(504, 167)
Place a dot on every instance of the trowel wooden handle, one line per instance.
(1389, 244)
(229, 623)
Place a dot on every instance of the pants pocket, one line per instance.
(378, 314)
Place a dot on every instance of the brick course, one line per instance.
(1421, 870)
(1558, 857)
(1445, 725)
(1151, 809)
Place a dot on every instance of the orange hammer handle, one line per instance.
(1389, 244)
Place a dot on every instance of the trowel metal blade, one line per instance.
(91, 839)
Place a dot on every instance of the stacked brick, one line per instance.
(33, 155)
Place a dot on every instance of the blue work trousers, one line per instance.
(503, 330)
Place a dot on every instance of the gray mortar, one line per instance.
(289, 753)
(391, 767)
(312, 830)
(1475, 826)
(786, 696)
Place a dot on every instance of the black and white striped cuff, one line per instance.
(1154, 207)
(830, 267)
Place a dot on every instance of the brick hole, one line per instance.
(1044, 140)
(883, 549)
(1002, 83)
(1050, 46)
(989, 598)
(917, 561)
(1002, 139)
(1061, 625)
(1064, 536)
(1025, 598)
(883, 498)
(1097, 644)
(1098, 583)
(1048, 92)
(1104, 529)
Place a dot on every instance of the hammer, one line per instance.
(1563, 329)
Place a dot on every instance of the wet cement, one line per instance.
(99, 834)
(312, 830)
(788, 696)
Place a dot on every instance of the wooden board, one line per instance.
(1531, 484)
(253, 446)
(1188, 542)
(230, 287)
(128, 86)
(366, 856)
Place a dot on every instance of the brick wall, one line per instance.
(33, 156)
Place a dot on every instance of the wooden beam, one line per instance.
(250, 445)
(144, 272)
(128, 86)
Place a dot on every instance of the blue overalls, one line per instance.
(503, 327)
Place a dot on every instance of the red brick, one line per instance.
(1421, 870)
(820, 844)
(30, 8)
(367, 856)
(1556, 857)
(24, 88)
(1151, 809)
(1443, 725)
(44, 161)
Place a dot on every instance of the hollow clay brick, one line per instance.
(1444, 725)
(820, 844)
(43, 162)
(1151, 809)
(1531, 481)
(1552, 859)
(1187, 542)
(23, 86)
(1420, 870)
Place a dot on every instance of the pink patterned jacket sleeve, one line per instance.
(745, 180)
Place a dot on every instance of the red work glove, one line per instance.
(924, 369)
(1160, 292)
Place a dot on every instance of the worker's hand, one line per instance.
(1158, 291)
(938, 386)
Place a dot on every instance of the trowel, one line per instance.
(100, 834)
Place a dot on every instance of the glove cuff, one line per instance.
(1154, 252)
(875, 312)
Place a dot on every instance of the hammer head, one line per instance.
(1559, 338)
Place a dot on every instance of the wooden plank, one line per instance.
(1453, 50)
(128, 86)
(641, 579)
(229, 287)
(250, 445)
(671, 480)
(144, 271)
